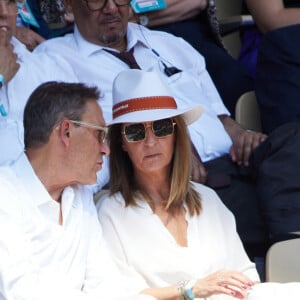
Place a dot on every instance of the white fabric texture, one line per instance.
(141, 243)
(34, 70)
(275, 291)
(192, 86)
(40, 259)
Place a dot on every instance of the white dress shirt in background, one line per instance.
(34, 70)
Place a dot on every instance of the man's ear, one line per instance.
(65, 131)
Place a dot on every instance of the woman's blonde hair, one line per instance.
(181, 190)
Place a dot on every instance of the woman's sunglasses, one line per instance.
(136, 132)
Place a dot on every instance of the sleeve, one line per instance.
(102, 275)
(211, 97)
(230, 253)
(21, 278)
(115, 244)
(274, 291)
(35, 69)
(237, 258)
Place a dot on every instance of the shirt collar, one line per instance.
(24, 170)
(20, 49)
(40, 195)
(134, 37)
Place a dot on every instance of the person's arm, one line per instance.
(271, 14)
(8, 59)
(28, 37)
(177, 10)
(102, 274)
(243, 141)
(226, 282)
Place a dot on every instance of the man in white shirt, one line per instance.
(21, 72)
(51, 244)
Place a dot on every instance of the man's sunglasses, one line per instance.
(136, 132)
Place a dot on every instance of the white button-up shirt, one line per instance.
(40, 259)
(139, 241)
(34, 70)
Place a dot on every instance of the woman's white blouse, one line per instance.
(141, 243)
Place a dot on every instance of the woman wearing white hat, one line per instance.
(174, 234)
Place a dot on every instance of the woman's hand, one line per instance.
(231, 283)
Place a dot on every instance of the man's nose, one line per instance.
(104, 148)
(109, 5)
(4, 8)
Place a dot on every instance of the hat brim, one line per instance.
(189, 115)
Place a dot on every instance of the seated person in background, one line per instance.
(51, 244)
(20, 72)
(196, 22)
(12, 54)
(175, 233)
(277, 84)
(42, 19)
(274, 291)
(8, 58)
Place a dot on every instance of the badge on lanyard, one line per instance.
(144, 6)
(26, 14)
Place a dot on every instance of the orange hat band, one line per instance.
(146, 103)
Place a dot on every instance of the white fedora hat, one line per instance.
(141, 96)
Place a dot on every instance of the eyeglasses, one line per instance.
(102, 130)
(94, 5)
(136, 132)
